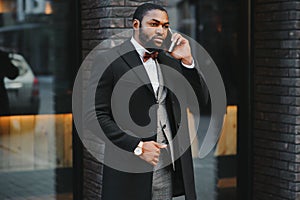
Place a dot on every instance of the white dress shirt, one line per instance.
(150, 64)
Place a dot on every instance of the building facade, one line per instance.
(254, 43)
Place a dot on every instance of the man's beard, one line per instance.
(148, 43)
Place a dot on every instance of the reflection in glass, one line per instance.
(213, 23)
(25, 87)
(10, 71)
(42, 35)
(36, 156)
(36, 139)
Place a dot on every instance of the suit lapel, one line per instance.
(132, 59)
(167, 60)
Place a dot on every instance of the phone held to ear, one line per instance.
(172, 44)
(168, 44)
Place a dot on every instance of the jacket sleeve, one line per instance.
(197, 81)
(194, 77)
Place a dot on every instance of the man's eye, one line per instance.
(166, 27)
(153, 24)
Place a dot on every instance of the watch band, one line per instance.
(139, 149)
(141, 144)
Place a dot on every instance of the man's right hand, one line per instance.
(151, 152)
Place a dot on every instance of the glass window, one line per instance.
(37, 48)
(214, 25)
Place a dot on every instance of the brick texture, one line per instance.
(101, 19)
(276, 138)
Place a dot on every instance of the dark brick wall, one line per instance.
(100, 19)
(103, 18)
(276, 139)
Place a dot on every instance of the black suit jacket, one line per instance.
(136, 186)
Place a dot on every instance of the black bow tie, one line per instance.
(152, 55)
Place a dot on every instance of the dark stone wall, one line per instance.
(104, 18)
(276, 139)
(100, 19)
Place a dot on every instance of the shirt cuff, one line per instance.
(189, 66)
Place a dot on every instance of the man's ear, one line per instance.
(136, 24)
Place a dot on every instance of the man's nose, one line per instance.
(159, 30)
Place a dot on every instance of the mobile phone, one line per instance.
(168, 44)
(172, 45)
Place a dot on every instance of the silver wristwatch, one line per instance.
(139, 149)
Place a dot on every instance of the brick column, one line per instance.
(100, 20)
(277, 100)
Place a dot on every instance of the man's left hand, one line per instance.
(182, 50)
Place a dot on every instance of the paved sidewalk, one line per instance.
(39, 184)
(67, 196)
(57, 184)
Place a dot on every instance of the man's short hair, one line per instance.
(141, 11)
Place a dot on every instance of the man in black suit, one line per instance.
(7, 69)
(146, 49)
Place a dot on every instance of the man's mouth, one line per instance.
(159, 40)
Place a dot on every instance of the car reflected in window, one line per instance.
(23, 92)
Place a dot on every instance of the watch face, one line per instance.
(138, 151)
